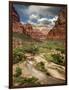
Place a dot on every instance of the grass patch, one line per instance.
(62, 50)
(21, 36)
(18, 55)
(26, 81)
(18, 72)
(57, 58)
(48, 57)
(34, 49)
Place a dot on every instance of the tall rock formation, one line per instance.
(16, 25)
(15, 16)
(59, 31)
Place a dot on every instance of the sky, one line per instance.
(37, 15)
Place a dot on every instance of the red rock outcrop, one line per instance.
(59, 31)
(16, 25)
(15, 16)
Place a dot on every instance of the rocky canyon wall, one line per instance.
(59, 31)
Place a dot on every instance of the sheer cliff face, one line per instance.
(15, 16)
(59, 31)
(16, 25)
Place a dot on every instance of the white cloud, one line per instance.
(54, 19)
(44, 21)
(40, 13)
(33, 16)
(49, 23)
(29, 21)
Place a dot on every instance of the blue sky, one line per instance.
(37, 14)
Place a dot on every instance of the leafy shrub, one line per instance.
(40, 66)
(30, 80)
(26, 81)
(31, 49)
(18, 72)
(19, 53)
(57, 58)
(18, 56)
(19, 80)
(61, 49)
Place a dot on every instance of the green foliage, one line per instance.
(22, 36)
(61, 49)
(31, 49)
(18, 72)
(57, 58)
(40, 66)
(48, 57)
(26, 81)
(18, 79)
(52, 44)
(30, 80)
(18, 55)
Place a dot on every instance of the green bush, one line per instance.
(57, 58)
(26, 81)
(19, 53)
(18, 72)
(18, 56)
(30, 80)
(31, 49)
(61, 49)
(19, 80)
(40, 66)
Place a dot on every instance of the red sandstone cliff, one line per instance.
(16, 25)
(59, 31)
